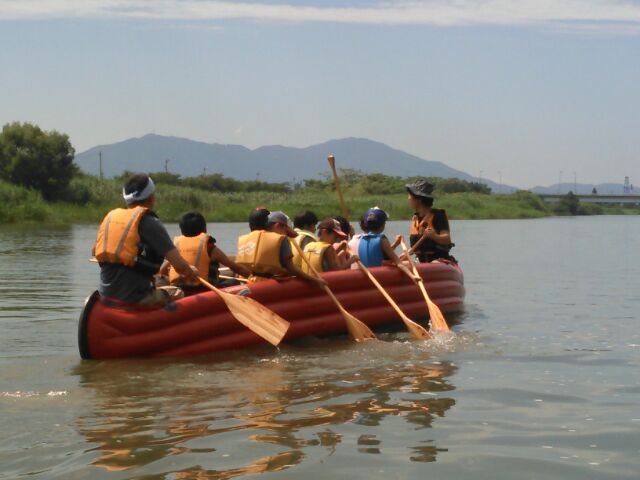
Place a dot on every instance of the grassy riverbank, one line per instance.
(92, 198)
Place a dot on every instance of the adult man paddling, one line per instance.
(131, 246)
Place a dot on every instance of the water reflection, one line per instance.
(273, 413)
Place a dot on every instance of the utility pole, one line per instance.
(559, 181)
(575, 183)
(100, 161)
(166, 166)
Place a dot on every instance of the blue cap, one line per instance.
(374, 218)
(375, 214)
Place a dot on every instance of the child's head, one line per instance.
(192, 224)
(329, 231)
(345, 226)
(374, 220)
(258, 219)
(305, 221)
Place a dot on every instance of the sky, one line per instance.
(529, 91)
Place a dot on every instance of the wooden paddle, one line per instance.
(358, 330)
(418, 331)
(253, 315)
(343, 206)
(415, 329)
(229, 277)
(438, 323)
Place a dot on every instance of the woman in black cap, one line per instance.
(430, 236)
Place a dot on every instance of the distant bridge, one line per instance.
(620, 200)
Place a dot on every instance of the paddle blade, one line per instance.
(438, 322)
(358, 330)
(256, 317)
(417, 330)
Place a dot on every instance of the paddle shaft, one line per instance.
(336, 179)
(437, 319)
(358, 330)
(209, 286)
(415, 329)
(229, 277)
(315, 273)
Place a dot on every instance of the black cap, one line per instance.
(421, 188)
(258, 219)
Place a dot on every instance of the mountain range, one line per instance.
(277, 163)
(274, 163)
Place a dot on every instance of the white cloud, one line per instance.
(613, 15)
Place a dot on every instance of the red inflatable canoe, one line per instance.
(202, 324)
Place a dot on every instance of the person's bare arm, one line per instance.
(388, 252)
(442, 238)
(189, 272)
(164, 269)
(222, 258)
(336, 262)
(332, 259)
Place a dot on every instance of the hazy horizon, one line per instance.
(480, 86)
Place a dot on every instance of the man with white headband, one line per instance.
(130, 247)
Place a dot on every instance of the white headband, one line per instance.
(135, 197)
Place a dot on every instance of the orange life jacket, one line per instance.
(118, 240)
(428, 250)
(194, 250)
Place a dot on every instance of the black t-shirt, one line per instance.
(127, 284)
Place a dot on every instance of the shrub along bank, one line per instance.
(92, 198)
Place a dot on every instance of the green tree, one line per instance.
(36, 159)
(568, 205)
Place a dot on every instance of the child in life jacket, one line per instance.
(321, 254)
(341, 246)
(304, 225)
(268, 253)
(374, 248)
(200, 250)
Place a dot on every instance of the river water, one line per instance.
(540, 380)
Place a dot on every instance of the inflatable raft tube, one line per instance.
(201, 324)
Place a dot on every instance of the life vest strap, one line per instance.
(125, 234)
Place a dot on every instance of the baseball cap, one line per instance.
(283, 219)
(375, 218)
(333, 226)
